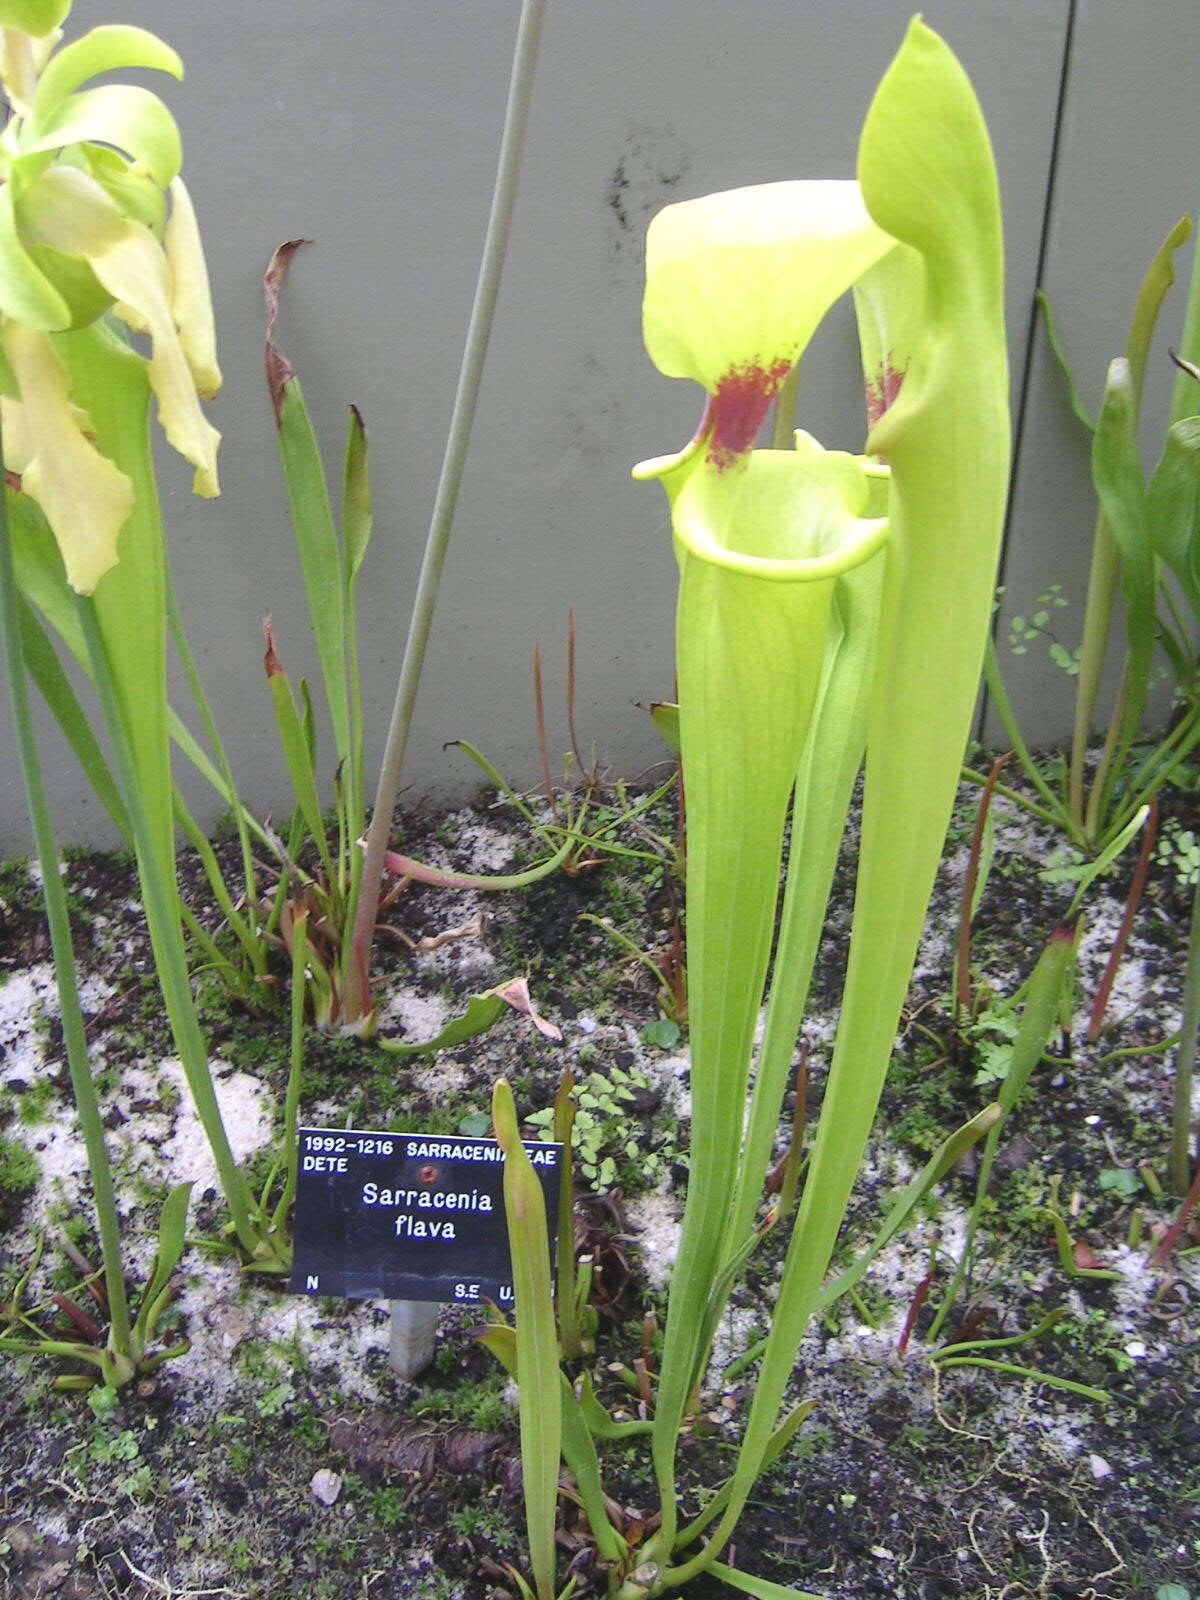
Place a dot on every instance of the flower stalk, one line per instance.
(356, 973)
(119, 1349)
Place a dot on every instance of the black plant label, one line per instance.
(408, 1216)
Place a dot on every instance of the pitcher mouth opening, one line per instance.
(786, 516)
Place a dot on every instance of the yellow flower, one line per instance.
(85, 232)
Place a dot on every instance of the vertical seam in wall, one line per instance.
(1032, 323)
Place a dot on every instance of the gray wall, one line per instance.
(1125, 172)
(372, 127)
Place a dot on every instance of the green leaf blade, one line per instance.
(760, 546)
(538, 1378)
(482, 1012)
(321, 565)
(758, 1588)
(1173, 505)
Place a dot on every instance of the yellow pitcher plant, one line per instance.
(830, 605)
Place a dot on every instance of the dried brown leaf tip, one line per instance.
(377, 1443)
(271, 663)
(279, 368)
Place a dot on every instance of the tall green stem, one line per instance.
(162, 917)
(1158, 768)
(1107, 768)
(1185, 1061)
(54, 895)
(356, 994)
(568, 1318)
(1097, 620)
(824, 788)
(1044, 995)
(184, 651)
(291, 1107)
(1021, 801)
(998, 695)
(750, 646)
(1183, 395)
(1102, 577)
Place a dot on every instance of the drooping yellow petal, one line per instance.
(134, 190)
(65, 218)
(26, 294)
(20, 446)
(23, 53)
(191, 300)
(135, 271)
(65, 208)
(85, 498)
(132, 318)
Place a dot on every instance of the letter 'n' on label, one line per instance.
(312, 1281)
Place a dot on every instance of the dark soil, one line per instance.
(907, 1481)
